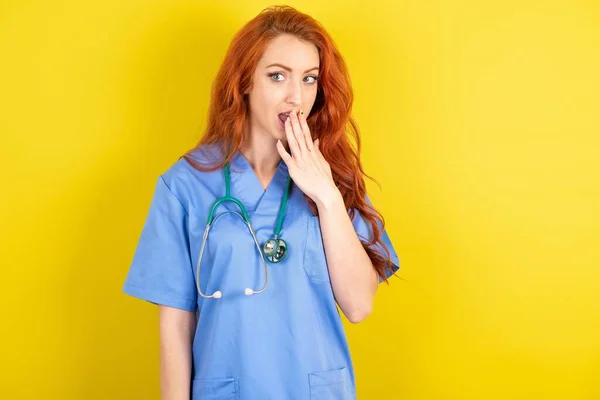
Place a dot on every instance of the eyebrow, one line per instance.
(289, 69)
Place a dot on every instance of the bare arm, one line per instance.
(353, 278)
(177, 328)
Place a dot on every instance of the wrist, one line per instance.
(328, 199)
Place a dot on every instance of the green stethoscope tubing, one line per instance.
(275, 249)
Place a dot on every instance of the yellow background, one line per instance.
(479, 119)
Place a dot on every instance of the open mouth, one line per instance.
(283, 116)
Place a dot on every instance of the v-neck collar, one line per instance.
(246, 186)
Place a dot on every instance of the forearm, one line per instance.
(177, 329)
(353, 278)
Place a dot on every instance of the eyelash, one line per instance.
(316, 78)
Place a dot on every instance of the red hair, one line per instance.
(329, 119)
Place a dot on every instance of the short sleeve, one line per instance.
(365, 233)
(161, 270)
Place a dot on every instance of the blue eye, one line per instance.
(274, 74)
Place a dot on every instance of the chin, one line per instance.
(279, 135)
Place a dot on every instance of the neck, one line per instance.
(261, 153)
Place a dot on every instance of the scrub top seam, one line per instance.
(181, 297)
(174, 195)
(172, 297)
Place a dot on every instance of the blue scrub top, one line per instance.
(285, 343)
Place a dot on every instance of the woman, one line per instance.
(267, 325)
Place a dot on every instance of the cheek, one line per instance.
(309, 97)
(267, 99)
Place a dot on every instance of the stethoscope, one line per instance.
(274, 249)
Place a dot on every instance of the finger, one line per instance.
(322, 159)
(307, 135)
(298, 134)
(316, 147)
(287, 158)
(292, 143)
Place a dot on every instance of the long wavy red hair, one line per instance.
(330, 120)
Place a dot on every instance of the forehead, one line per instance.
(292, 52)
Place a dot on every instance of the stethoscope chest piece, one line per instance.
(275, 249)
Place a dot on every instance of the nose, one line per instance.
(294, 95)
